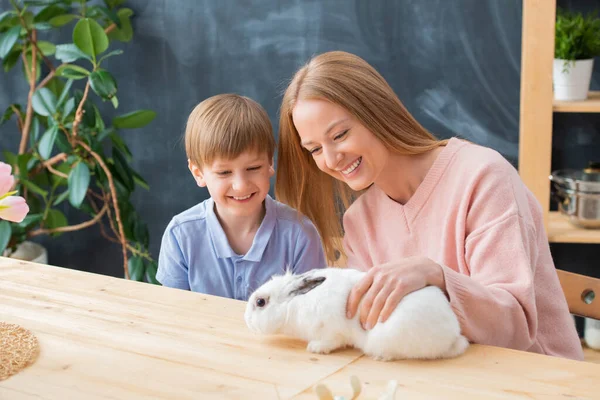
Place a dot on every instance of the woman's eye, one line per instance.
(260, 302)
(315, 150)
(341, 135)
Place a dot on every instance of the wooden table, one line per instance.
(107, 338)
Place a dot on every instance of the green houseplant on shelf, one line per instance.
(576, 43)
(69, 156)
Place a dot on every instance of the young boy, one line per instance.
(233, 242)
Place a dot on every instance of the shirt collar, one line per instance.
(217, 234)
(263, 234)
(261, 239)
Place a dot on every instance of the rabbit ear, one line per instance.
(306, 284)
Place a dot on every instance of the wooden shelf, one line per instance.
(589, 105)
(560, 230)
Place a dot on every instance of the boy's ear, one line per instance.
(272, 167)
(197, 173)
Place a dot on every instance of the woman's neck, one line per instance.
(403, 174)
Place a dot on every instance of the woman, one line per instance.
(427, 212)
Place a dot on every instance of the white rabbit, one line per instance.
(312, 307)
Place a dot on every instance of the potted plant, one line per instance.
(69, 155)
(576, 43)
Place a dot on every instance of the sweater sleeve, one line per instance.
(496, 303)
(495, 300)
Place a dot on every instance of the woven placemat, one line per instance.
(19, 347)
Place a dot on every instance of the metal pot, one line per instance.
(578, 194)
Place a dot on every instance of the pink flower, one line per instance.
(12, 208)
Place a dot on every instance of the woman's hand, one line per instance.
(385, 285)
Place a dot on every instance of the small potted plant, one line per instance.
(576, 43)
(70, 155)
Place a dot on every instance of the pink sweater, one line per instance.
(473, 215)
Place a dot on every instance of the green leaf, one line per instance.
(103, 84)
(69, 107)
(10, 60)
(71, 71)
(28, 17)
(46, 48)
(115, 101)
(79, 181)
(113, 3)
(139, 180)
(151, 270)
(123, 170)
(35, 131)
(62, 144)
(61, 20)
(47, 142)
(89, 36)
(135, 119)
(89, 117)
(125, 32)
(64, 93)
(9, 113)
(56, 86)
(104, 134)
(112, 53)
(61, 198)
(23, 161)
(136, 268)
(108, 14)
(55, 219)
(48, 13)
(44, 102)
(5, 233)
(119, 143)
(11, 158)
(34, 188)
(6, 15)
(99, 121)
(8, 40)
(30, 220)
(68, 53)
(42, 26)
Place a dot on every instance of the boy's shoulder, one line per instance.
(197, 213)
(289, 216)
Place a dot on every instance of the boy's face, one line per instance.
(238, 186)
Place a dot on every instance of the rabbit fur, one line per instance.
(312, 307)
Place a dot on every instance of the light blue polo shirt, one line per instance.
(195, 253)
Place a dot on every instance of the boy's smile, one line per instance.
(238, 186)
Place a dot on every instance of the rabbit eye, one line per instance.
(260, 302)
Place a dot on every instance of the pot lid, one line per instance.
(585, 180)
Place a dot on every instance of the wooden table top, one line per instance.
(107, 338)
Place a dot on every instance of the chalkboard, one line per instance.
(455, 64)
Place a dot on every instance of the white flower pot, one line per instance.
(572, 81)
(30, 251)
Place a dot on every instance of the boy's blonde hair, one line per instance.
(350, 82)
(225, 126)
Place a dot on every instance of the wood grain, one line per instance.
(102, 337)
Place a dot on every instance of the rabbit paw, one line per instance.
(322, 346)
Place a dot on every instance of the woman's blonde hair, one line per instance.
(350, 82)
(225, 126)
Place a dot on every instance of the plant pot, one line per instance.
(30, 251)
(572, 80)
